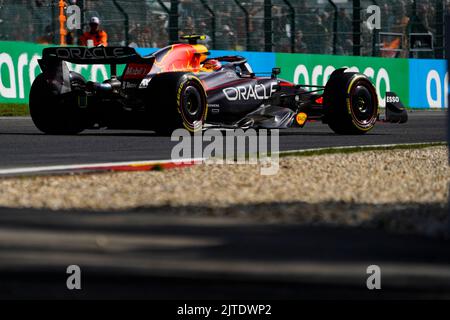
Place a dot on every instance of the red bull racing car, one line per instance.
(180, 86)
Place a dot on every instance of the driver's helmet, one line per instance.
(212, 65)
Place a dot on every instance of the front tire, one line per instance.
(351, 103)
(50, 112)
(176, 100)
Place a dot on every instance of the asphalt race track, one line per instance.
(148, 253)
(22, 145)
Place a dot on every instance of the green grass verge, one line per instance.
(318, 152)
(335, 150)
(13, 110)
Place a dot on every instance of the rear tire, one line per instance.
(176, 100)
(351, 103)
(50, 112)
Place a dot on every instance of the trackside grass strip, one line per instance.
(13, 110)
(344, 150)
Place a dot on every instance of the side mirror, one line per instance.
(275, 72)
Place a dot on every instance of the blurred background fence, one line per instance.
(408, 28)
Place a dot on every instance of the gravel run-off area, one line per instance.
(397, 190)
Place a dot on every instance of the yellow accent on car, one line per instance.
(200, 48)
(202, 51)
(301, 118)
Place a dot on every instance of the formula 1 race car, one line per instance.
(180, 87)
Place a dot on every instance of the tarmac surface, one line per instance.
(22, 145)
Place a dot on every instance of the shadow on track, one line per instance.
(248, 251)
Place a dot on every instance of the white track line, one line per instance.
(79, 167)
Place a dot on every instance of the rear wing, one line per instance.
(55, 69)
(95, 55)
(113, 56)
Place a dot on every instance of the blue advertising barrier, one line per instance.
(428, 83)
(261, 62)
